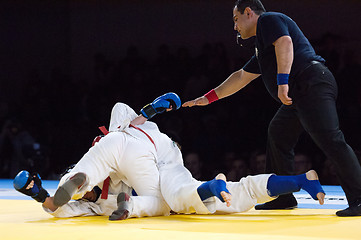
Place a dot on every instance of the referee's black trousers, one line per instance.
(313, 110)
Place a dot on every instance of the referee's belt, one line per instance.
(313, 62)
(310, 64)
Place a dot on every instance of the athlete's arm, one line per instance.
(138, 120)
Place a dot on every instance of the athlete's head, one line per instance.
(245, 16)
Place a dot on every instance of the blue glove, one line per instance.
(37, 192)
(160, 104)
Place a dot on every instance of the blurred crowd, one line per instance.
(55, 120)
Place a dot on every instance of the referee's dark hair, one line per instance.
(255, 5)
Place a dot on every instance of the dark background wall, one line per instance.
(67, 34)
(63, 64)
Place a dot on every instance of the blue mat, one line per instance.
(335, 199)
(7, 190)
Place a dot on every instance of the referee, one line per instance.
(296, 77)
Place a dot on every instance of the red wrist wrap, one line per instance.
(211, 96)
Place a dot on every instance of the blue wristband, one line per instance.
(282, 78)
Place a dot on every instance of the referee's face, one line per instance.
(242, 23)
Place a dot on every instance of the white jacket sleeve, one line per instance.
(121, 117)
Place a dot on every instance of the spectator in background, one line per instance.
(328, 49)
(18, 150)
(194, 164)
(211, 143)
(103, 69)
(257, 162)
(328, 174)
(302, 163)
(164, 63)
(238, 170)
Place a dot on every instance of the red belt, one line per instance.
(146, 134)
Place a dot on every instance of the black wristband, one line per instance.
(148, 111)
(41, 196)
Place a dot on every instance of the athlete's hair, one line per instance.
(255, 5)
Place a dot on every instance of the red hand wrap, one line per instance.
(211, 96)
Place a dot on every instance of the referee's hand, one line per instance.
(201, 101)
(283, 94)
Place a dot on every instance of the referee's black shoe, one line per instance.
(287, 201)
(353, 210)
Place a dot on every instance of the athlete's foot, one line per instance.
(125, 207)
(227, 197)
(65, 192)
(312, 176)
